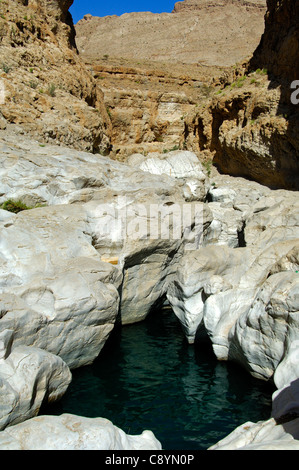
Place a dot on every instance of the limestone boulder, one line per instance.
(226, 227)
(217, 285)
(223, 310)
(49, 174)
(69, 432)
(97, 213)
(264, 435)
(237, 192)
(29, 377)
(259, 339)
(273, 221)
(279, 432)
(56, 293)
(179, 164)
(203, 273)
(253, 234)
(146, 237)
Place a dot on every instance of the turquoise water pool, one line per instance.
(149, 377)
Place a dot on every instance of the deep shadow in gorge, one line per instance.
(249, 138)
(278, 52)
(148, 377)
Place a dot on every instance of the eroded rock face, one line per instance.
(248, 131)
(234, 32)
(96, 210)
(178, 164)
(87, 257)
(152, 90)
(69, 295)
(48, 90)
(259, 337)
(69, 432)
(197, 5)
(252, 131)
(70, 269)
(280, 57)
(216, 291)
(264, 435)
(29, 377)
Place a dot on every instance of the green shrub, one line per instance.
(208, 167)
(33, 84)
(261, 71)
(173, 149)
(17, 206)
(6, 68)
(14, 206)
(51, 90)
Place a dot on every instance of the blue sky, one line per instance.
(118, 7)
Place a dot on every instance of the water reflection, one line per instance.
(148, 377)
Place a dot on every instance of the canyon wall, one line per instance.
(249, 124)
(278, 50)
(49, 92)
(253, 127)
(155, 70)
(197, 5)
(212, 33)
(228, 100)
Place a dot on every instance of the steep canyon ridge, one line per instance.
(188, 111)
(184, 79)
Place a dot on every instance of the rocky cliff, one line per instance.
(237, 115)
(253, 122)
(149, 102)
(220, 32)
(48, 90)
(249, 131)
(152, 90)
(91, 251)
(279, 47)
(197, 5)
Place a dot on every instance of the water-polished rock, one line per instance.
(69, 432)
(178, 164)
(29, 377)
(56, 293)
(264, 435)
(259, 338)
(201, 273)
(47, 174)
(252, 231)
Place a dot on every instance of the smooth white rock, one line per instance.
(69, 432)
(180, 165)
(56, 293)
(264, 435)
(29, 377)
(195, 281)
(259, 339)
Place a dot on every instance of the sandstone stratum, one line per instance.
(49, 92)
(218, 32)
(88, 146)
(227, 99)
